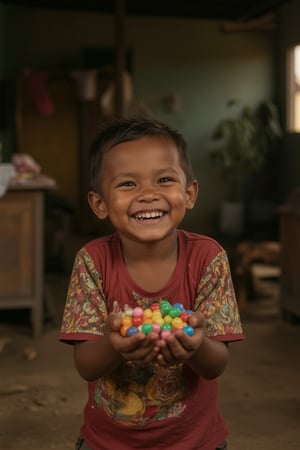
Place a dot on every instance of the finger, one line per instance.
(140, 345)
(166, 351)
(181, 346)
(126, 344)
(113, 322)
(197, 320)
(142, 354)
(161, 360)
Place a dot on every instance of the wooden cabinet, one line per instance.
(290, 257)
(21, 251)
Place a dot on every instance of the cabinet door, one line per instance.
(16, 245)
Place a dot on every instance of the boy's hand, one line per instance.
(139, 348)
(179, 346)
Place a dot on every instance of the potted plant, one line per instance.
(244, 141)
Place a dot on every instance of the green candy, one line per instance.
(146, 328)
(165, 307)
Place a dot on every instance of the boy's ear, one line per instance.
(97, 205)
(191, 194)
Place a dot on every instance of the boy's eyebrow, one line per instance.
(123, 175)
(132, 174)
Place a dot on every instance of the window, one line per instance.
(293, 96)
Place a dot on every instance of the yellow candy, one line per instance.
(177, 322)
(168, 319)
(147, 313)
(126, 321)
(148, 320)
(156, 314)
(159, 320)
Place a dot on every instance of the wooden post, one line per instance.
(119, 56)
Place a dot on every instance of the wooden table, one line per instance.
(22, 247)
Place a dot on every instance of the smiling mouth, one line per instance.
(149, 215)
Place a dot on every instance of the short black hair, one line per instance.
(130, 128)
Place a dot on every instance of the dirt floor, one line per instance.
(42, 397)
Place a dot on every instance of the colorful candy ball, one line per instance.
(162, 318)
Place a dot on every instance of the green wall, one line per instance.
(190, 58)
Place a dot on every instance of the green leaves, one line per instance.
(246, 138)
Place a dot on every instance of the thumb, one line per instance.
(114, 322)
(197, 320)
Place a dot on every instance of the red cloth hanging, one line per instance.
(36, 87)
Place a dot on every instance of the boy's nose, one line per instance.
(148, 194)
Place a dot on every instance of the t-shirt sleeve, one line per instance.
(217, 302)
(85, 309)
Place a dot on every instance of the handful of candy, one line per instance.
(162, 318)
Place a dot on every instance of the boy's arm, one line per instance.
(210, 360)
(96, 358)
(207, 357)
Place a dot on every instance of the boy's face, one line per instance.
(143, 189)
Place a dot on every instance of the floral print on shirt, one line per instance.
(135, 395)
(216, 299)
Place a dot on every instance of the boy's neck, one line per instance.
(136, 252)
(151, 266)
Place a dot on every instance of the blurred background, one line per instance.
(223, 73)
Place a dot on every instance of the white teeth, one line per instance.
(149, 215)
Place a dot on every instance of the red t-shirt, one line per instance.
(151, 407)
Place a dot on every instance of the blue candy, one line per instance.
(188, 330)
(131, 331)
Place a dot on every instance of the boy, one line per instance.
(146, 392)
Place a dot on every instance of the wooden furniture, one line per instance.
(251, 260)
(22, 248)
(290, 257)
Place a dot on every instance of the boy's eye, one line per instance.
(166, 180)
(127, 184)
